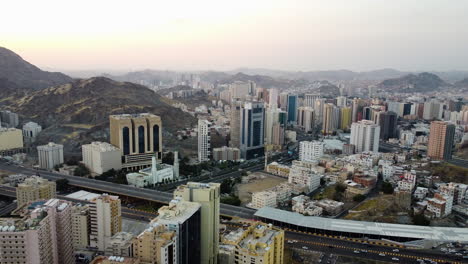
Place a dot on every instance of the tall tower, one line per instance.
(204, 140)
(292, 109)
(176, 165)
(138, 136)
(388, 124)
(441, 137)
(208, 196)
(365, 136)
(234, 124)
(252, 122)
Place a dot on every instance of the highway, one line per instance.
(119, 189)
(126, 212)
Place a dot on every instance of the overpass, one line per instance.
(123, 190)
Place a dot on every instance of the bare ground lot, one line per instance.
(244, 190)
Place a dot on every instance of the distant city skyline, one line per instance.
(301, 35)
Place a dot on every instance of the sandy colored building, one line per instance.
(156, 245)
(440, 143)
(208, 195)
(34, 188)
(80, 226)
(138, 136)
(10, 138)
(106, 220)
(259, 243)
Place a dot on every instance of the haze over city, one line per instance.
(408, 35)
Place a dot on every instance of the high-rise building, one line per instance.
(259, 243)
(306, 118)
(81, 227)
(331, 116)
(204, 140)
(357, 107)
(345, 118)
(242, 90)
(252, 138)
(185, 219)
(441, 137)
(235, 124)
(309, 100)
(34, 188)
(283, 101)
(273, 100)
(138, 136)
(208, 196)
(10, 138)
(278, 135)
(8, 119)
(50, 155)
(319, 107)
(388, 125)
(310, 150)
(273, 116)
(106, 220)
(292, 109)
(30, 131)
(100, 157)
(365, 136)
(341, 101)
(156, 244)
(263, 94)
(433, 110)
(42, 235)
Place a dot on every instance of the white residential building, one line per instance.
(408, 182)
(204, 140)
(100, 157)
(30, 131)
(365, 136)
(304, 175)
(50, 155)
(310, 150)
(262, 199)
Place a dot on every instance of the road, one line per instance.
(126, 212)
(123, 190)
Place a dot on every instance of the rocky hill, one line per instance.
(462, 84)
(21, 74)
(78, 112)
(422, 82)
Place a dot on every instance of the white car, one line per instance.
(395, 259)
(382, 254)
(356, 251)
(396, 250)
(304, 247)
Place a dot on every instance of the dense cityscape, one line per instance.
(251, 165)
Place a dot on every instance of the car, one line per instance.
(304, 247)
(395, 259)
(396, 250)
(356, 251)
(290, 241)
(363, 250)
(382, 254)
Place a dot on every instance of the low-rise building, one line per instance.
(262, 199)
(34, 188)
(120, 244)
(226, 153)
(278, 169)
(157, 173)
(331, 207)
(440, 205)
(259, 243)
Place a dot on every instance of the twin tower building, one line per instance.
(138, 136)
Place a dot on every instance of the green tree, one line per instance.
(61, 184)
(226, 186)
(340, 188)
(232, 200)
(81, 170)
(338, 196)
(359, 198)
(420, 219)
(387, 187)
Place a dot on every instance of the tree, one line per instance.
(420, 219)
(359, 198)
(232, 200)
(387, 187)
(322, 181)
(337, 196)
(340, 188)
(61, 184)
(226, 186)
(81, 170)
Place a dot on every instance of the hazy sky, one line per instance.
(220, 35)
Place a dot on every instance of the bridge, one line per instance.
(124, 190)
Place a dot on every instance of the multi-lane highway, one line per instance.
(118, 189)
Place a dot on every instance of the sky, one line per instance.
(360, 35)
